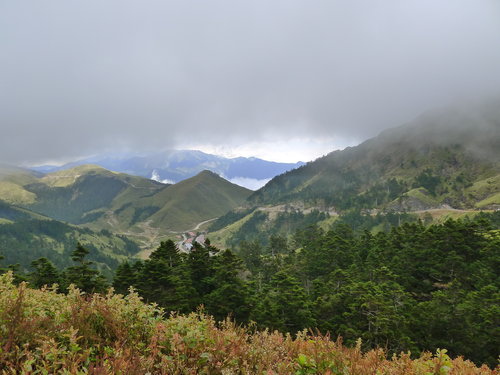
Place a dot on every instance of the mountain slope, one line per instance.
(181, 206)
(81, 194)
(447, 157)
(446, 163)
(100, 199)
(12, 181)
(10, 213)
(26, 236)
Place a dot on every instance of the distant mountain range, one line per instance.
(176, 165)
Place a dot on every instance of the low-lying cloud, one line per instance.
(155, 176)
(249, 183)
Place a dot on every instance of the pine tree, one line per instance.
(45, 273)
(165, 279)
(167, 251)
(231, 294)
(84, 277)
(125, 277)
(200, 265)
(286, 306)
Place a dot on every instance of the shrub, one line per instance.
(42, 332)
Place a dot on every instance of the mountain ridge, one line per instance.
(143, 209)
(444, 143)
(176, 165)
(446, 161)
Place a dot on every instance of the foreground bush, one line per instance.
(42, 332)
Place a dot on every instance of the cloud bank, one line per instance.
(78, 77)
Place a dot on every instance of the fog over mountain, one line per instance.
(80, 78)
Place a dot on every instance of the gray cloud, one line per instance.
(82, 76)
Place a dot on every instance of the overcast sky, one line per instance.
(281, 79)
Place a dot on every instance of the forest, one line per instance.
(413, 288)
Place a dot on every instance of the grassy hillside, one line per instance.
(96, 198)
(82, 194)
(197, 199)
(55, 333)
(444, 161)
(447, 157)
(12, 181)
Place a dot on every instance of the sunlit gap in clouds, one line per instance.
(279, 150)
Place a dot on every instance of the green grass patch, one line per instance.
(16, 194)
(494, 199)
(221, 237)
(422, 195)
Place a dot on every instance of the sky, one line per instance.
(284, 80)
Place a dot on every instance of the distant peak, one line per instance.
(206, 172)
(88, 167)
(84, 168)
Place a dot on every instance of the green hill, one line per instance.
(96, 198)
(446, 157)
(12, 181)
(82, 194)
(445, 161)
(182, 206)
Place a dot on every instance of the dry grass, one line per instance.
(42, 332)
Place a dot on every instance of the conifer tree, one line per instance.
(286, 306)
(164, 279)
(82, 275)
(125, 277)
(44, 273)
(200, 266)
(230, 295)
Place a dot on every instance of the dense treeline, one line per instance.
(182, 282)
(413, 288)
(82, 273)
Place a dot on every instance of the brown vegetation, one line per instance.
(43, 332)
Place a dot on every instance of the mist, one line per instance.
(78, 78)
